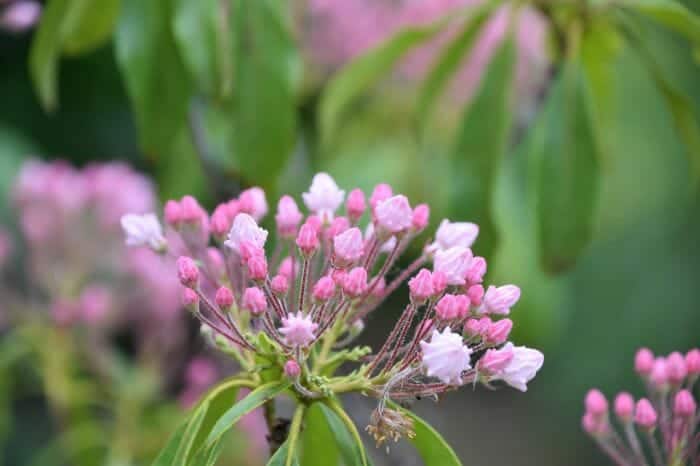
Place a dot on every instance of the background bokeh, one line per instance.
(634, 284)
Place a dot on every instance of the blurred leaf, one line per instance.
(156, 80)
(280, 456)
(293, 436)
(70, 26)
(318, 442)
(600, 51)
(14, 148)
(180, 171)
(360, 74)
(346, 435)
(204, 35)
(671, 14)
(677, 102)
(168, 454)
(568, 175)
(432, 448)
(481, 142)
(255, 399)
(449, 61)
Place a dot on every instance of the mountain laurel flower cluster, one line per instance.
(290, 317)
(663, 425)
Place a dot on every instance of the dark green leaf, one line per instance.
(352, 450)
(432, 448)
(156, 80)
(481, 143)
(255, 399)
(568, 173)
(359, 75)
(318, 442)
(671, 14)
(449, 61)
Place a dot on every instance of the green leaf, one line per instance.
(66, 26)
(318, 441)
(568, 174)
(449, 61)
(280, 456)
(157, 82)
(432, 448)
(294, 433)
(359, 75)
(671, 14)
(204, 34)
(264, 120)
(482, 141)
(352, 450)
(193, 427)
(255, 399)
(168, 454)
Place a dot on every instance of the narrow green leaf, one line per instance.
(352, 450)
(193, 426)
(568, 172)
(294, 433)
(671, 14)
(449, 61)
(432, 448)
(280, 456)
(255, 399)
(359, 75)
(93, 28)
(157, 82)
(318, 444)
(481, 142)
(168, 454)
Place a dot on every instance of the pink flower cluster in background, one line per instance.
(665, 423)
(339, 30)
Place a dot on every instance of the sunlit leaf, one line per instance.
(432, 448)
(671, 14)
(481, 143)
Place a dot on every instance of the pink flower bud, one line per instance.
(224, 298)
(280, 284)
(475, 294)
(324, 289)
(439, 282)
(315, 222)
(292, 369)
(421, 217)
(254, 300)
(248, 249)
(644, 361)
(498, 332)
(187, 271)
(499, 300)
(348, 247)
(454, 263)
(220, 222)
(257, 268)
(379, 288)
(285, 268)
(446, 308)
(495, 360)
(288, 217)
(645, 415)
(394, 215)
(172, 212)
(624, 406)
(307, 240)
(252, 201)
(684, 405)
(355, 205)
(380, 193)
(463, 304)
(476, 271)
(339, 276)
(594, 425)
(421, 286)
(355, 284)
(338, 225)
(234, 208)
(95, 303)
(692, 362)
(191, 210)
(215, 262)
(659, 374)
(596, 403)
(20, 15)
(675, 368)
(484, 324)
(324, 197)
(472, 327)
(190, 299)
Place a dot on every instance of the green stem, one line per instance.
(294, 431)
